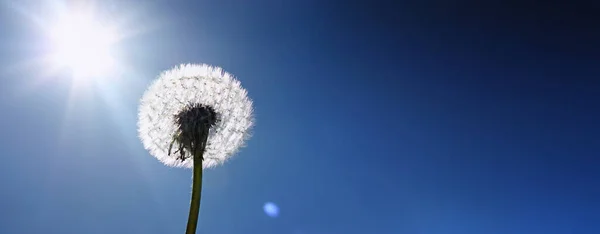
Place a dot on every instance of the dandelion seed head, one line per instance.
(168, 105)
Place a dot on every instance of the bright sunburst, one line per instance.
(82, 44)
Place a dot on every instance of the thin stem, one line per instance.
(194, 122)
(196, 194)
(196, 185)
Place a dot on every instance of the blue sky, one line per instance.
(430, 117)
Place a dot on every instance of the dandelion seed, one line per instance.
(194, 116)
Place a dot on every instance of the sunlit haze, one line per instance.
(371, 117)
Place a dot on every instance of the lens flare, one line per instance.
(271, 209)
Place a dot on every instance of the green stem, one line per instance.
(196, 194)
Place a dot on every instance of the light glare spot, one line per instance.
(271, 209)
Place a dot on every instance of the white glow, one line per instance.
(271, 209)
(83, 45)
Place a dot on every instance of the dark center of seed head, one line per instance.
(193, 123)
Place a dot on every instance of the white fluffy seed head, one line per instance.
(195, 84)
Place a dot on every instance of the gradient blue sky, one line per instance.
(420, 117)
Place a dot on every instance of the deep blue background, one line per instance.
(374, 117)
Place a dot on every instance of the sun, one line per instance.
(82, 44)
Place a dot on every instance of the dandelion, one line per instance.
(194, 116)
